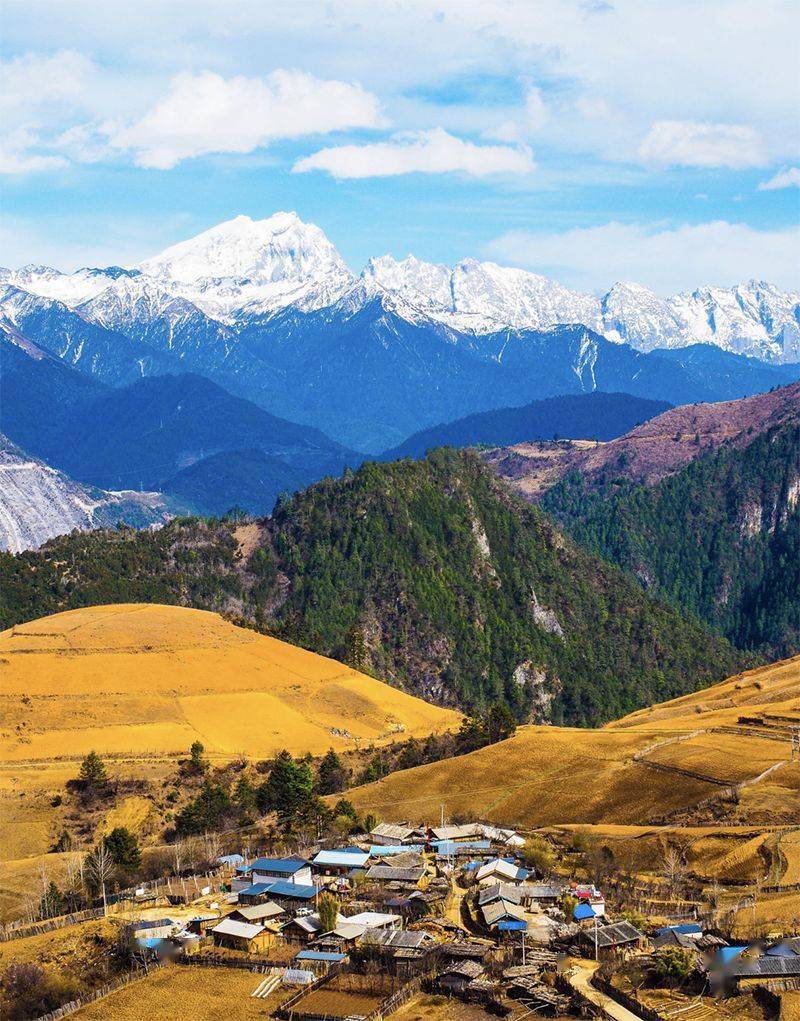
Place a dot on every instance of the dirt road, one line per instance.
(579, 978)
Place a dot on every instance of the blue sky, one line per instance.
(588, 140)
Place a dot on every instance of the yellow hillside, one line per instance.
(135, 679)
(643, 768)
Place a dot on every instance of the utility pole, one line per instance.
(596, 954)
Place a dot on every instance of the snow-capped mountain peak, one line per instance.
(260, 265)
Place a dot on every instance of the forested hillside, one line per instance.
(430, 574)
(720, 538)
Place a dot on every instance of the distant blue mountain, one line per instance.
(360, 371)
(598, 416)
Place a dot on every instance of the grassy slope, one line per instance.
(141, 679)
(547, 775)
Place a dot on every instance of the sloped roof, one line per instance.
(403, 938)
(457, 832)
(390, 873)
(280, 866)
(541, 891)
(464, 969)
(499, 867)
(614, 935)
(502, 891)
(156, 923)
(319, 955)
(350, 930)
(308, 923)
(283, 888)
(670, 938)
(382, 850)
(372, 919)
(500, 909)
(230, 927)
(764, 967)
(251, 912)
(393, 831)
(341, 859)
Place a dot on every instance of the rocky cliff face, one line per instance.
(37, 503)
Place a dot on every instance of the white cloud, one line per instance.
(537, 112)
(425, 152)
(20, 153)
(35, 79)
(789, 178)
(206, 113)
(695, 144)
(664, 258)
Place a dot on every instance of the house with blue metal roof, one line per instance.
(292, 870)
(339, 862)
(283, 893)
(326, 956)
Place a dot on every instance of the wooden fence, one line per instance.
(258, 964)
(19, 930)
(98, 994)
(396, 1000)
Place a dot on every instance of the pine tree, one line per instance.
(328, 911)
(332, 775)
(288, 788)
(124, 849)
(92, 776)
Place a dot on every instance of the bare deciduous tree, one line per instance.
(673, 870)
(102, 867)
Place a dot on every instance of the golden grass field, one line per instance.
(141, 679)
(203, 994)
(631, 771)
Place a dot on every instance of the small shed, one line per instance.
(617, 938)
(500, 911)
(456, 976)
(241, 936)
(268, 911)
(500, 871)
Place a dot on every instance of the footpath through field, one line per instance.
(579, 977)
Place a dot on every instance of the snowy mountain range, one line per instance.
(201, 291)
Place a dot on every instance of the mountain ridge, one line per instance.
(596, 416)
(244, 267)
(431, 574)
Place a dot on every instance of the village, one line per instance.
(465, 921)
